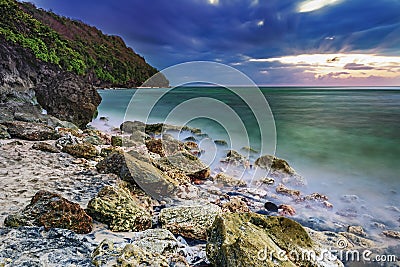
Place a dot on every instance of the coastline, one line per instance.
(73, 177)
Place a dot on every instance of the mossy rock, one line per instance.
(249, 239)
(115, 207)
(84, 150)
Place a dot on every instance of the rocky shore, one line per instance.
(138, 196)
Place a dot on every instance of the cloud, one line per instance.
(312, 5)
(355, 66)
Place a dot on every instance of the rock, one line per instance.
(115, 207)
(186, 163)
(235, 204)
(356, 241)
(233, 157)
(139, 173)
(189, 221)
(31, 246)
(51, 211)
(316, 197)
(349, 198)
(227, 180)
(31, 131)
(165, 147)
(249, 149)
(45, 147)
(220, 142)
(116, 140)
(286, 210)
(249, 239)
(84, 150)
(357, 230)
(281, 189)
(392, 234)
(4, 133)
(68, 97)
(190, 139)
(106, 151)
(67, 139)
(267, 180)
(272, 207)
(132, 126)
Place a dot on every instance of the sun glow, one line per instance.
(312, 5)
(342, 65)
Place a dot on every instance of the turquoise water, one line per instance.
(343, 140)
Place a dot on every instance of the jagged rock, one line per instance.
(220, 142)
(249, 239)
(267, 180)
(227, 180)
(248, 149)
(31, 131)
(184, 162)
(116, 140)
(132, 126)
(154, 247)
(83, 150)
(31, 246)
(139, 173)
(165, 147)
(3, 132)
(357, 230)
(392, 234)
(235, 204)
(46, 147)
(115, 207)
(281, 189)
(233, 157)
(286, 210)
(189, 221)
(51, 211)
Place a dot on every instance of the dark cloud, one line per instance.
(171, 32)
(355, 66)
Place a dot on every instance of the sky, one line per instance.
(274, 42)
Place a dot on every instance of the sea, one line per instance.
(345, 141)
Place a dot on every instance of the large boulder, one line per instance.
(51, 211)
(189, 221)
(152, 247)
(31, 131)
(249, 239)
(138, 171)
(116, 207)
(31, 246)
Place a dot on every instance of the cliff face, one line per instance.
(61, 61)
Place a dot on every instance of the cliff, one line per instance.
(61, 62)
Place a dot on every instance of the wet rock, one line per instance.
(45, 147)
(31, 131)
(220, 142)
(189, 221)
(190, 139)
(227, 180)
(116, 140)
(51, 211)
(165, 147)
(115, 207)
(281, 189)
(31, 246)
(83, 150)
(392, 234)
(356, 241)
(4, 133)
(186, 163)
(349, 198)
(286, 210)
(267, 180)
(191, 146)
(132, 126)
(247, 239)
(67, 139)
(357, 230)
(235, 204)
(248, 149)
(233, 157)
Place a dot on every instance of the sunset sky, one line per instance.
(274, 42)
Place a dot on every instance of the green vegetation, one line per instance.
(73, 46)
